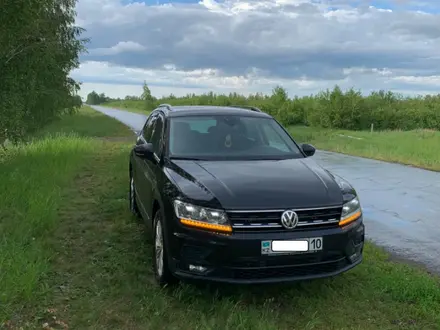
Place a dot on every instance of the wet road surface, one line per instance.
(401, 204)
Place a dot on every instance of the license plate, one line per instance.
(312, 244)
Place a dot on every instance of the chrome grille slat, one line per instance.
(301, 224)
(282, 210)
(271, 219)
(241, 225)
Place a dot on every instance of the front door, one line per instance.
(152, 169)
(141, 174)
(149, 170)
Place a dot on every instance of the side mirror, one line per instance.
(144, 151)
(308, 149)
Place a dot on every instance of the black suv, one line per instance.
(229, 196)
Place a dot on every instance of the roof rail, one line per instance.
(165, 105)
(247, 107)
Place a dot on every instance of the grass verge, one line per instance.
(417, 148)
(32, 178)
(100, 275)
(87, 123)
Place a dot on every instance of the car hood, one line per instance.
(265, 184)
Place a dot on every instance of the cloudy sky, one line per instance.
(248, 46)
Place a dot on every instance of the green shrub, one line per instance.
(328, 109)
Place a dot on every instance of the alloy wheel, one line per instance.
(132, 201)
(159, 249)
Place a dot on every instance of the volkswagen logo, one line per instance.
(289, 219)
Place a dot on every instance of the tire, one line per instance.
(134, 209)
(161, 270)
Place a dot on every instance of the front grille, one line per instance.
(270, 220)
(285, 260)
(290, 271)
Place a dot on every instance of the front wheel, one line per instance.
(161, 270)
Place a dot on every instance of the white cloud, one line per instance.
(120, 47)
(252, 45)
(430, 80)
(171, 78)
(118, 81)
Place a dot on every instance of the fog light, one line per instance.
(353, 257)
(197, 269)
(357, 253)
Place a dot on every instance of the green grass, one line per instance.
(87, 122)
(32, 177)
(104, 270)
(418, 148)
(99, 275)
(132, 106)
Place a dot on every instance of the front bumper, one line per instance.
(237, 258)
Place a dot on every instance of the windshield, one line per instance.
(225, 137)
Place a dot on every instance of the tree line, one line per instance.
(93, 98)
(147, 99)
(40, 45)
(332, 108)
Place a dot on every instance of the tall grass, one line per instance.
(418, 147)
(86, 122)
(31, 177)
(104, 267)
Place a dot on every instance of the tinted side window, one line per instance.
(148, 129)
(156, 138)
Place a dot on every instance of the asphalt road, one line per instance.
(401, 204)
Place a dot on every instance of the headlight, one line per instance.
(202, 217)
(351, 211)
